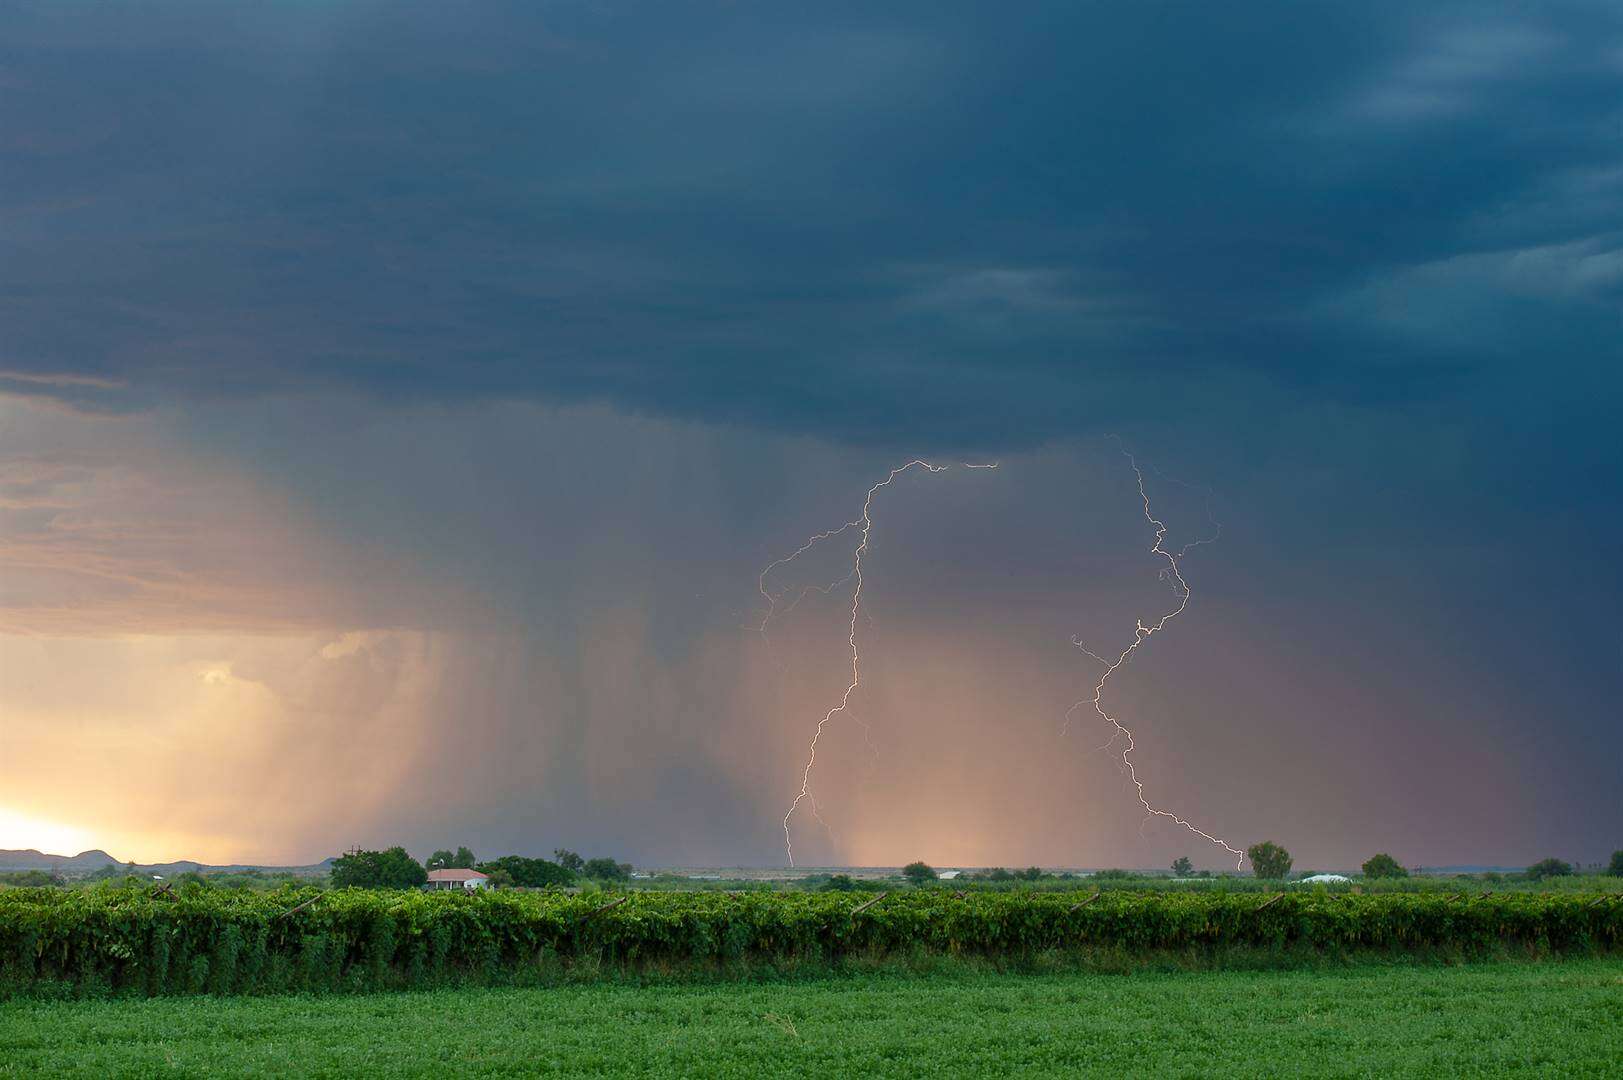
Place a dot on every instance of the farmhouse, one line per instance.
(457, 879)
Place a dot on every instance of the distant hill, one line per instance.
(82, 863)
(88, 862)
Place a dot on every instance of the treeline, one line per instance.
(394, 868)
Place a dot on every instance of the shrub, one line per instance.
(1615, 867)
(1549, 868)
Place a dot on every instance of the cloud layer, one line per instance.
(390, 393)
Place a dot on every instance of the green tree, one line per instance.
(1269, 860)
(499, 878)
(605, 870)
(919, 873)
(1383, 865)
(391, 869)
(461, 859)
(569, 860)
(838, 883)
(1615, 868)
(1182, 867)
(1549, 868)
(530, 873)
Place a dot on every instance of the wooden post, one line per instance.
(1270, 903)
(611, 904)
(1084, 903)
(860, 908)
(302, 906)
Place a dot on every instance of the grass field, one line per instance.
(1484, 1019)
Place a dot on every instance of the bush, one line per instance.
(1383, 866)
(1269, 860)
(1549, 868)
(1615, 868)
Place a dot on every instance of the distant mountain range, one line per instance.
(88, 862)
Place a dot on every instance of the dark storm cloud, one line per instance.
(984, 224)
(335, 266)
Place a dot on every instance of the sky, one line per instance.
(399, 404)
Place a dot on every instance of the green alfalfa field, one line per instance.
(1400, 1018)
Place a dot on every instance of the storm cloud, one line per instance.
(441, 377)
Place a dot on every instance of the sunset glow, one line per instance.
(19, 830)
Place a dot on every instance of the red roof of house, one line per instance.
(455, 875)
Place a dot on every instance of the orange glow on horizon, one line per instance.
(19, 831)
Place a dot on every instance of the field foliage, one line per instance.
(136, 940)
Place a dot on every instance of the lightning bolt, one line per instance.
(1172, 572)
(865, 523)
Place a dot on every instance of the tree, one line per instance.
(1269, 860)
(1383, 865)
(1182, 867)
(530, 873)
(1549, 868)
(606, 870)
(919, 873)
(391, 869)
(569, 860)
(499, 878)
(1616, 867)
(461, 859)
(838, 883)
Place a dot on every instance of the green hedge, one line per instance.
(217, 941)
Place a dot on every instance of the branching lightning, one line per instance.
(1173, 573)
(865, 523)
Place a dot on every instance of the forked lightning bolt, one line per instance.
(1173, 572)
(865, 523)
